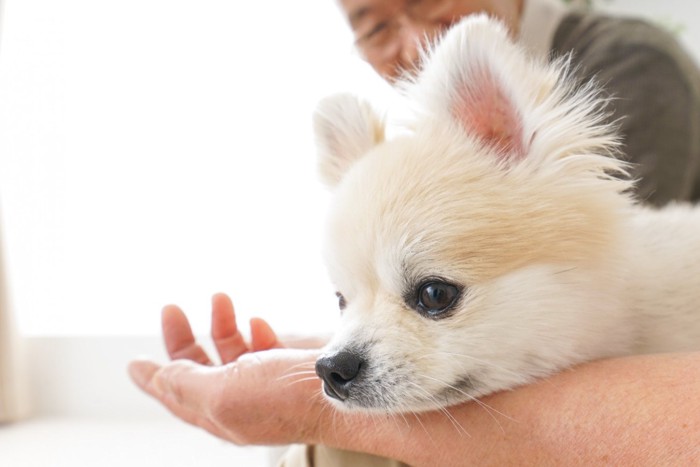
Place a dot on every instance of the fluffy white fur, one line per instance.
(506, 186)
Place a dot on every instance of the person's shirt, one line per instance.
(654, 83)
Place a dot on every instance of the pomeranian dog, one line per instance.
(497, 241)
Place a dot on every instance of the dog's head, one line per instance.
(471, 254)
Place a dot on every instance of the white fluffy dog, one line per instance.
(496, 243)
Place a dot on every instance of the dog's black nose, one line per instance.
(338, 372)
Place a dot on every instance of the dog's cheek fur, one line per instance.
(519, 327)
(535, 321)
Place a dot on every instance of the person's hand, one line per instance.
(262, 393)
(230, 344)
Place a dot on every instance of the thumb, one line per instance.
(182, 387)
(180, 384)
(141, 372)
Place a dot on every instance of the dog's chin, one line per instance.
(394, 402)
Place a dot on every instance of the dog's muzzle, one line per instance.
(339, 373)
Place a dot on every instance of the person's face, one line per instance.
(389, 33)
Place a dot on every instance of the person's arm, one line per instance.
(642, 410)
(635, 410)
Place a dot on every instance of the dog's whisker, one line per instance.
(442, 409)
(310, 365)
(404, 419)
(301, 380)
(296, 373)
(417, 416)
(393, 417)
(304, 366)
(489, 409)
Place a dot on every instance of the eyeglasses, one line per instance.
(377, 28)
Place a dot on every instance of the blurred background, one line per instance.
(154, 152)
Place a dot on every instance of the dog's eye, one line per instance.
(436, 297)
(341, 301)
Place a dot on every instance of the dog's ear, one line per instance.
(345, 128)
(478, 78)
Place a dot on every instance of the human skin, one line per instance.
(640, 410)
(402, 53)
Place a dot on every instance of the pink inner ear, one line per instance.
(485, 111)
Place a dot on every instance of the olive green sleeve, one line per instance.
(655, 90)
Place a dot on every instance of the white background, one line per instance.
(156, 151)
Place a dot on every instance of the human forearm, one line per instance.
(634, 411)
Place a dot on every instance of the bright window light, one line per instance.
(159, 151)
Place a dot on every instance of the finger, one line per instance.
(142, 373)
(187, 385)
(179, 340)
(262, 335)
(224, 332)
